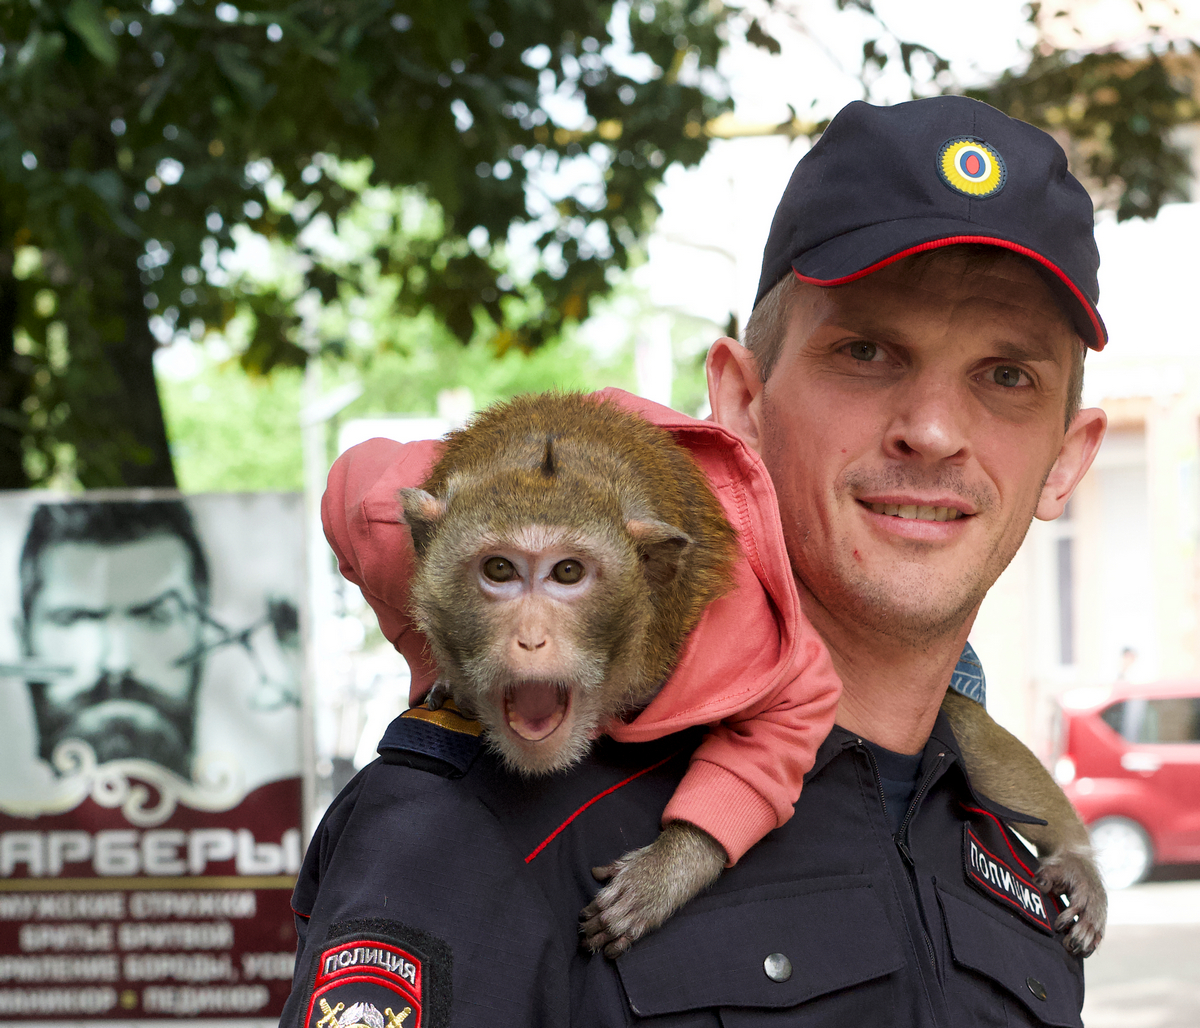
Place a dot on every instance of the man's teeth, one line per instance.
(919, 513)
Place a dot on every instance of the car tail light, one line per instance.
(1064, 770)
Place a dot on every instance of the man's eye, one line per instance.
(1007, 376)
(863, 351)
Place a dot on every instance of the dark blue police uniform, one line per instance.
(440, 900)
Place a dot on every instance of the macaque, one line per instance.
(1004, 769)
(565, 549)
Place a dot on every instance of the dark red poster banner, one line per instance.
(99, 920)
(150, 775)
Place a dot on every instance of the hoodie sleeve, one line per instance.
(746, 774)
(360, 512)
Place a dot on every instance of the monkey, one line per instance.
(565, 549)
(1004, 769)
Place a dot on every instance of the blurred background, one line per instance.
(237, 238)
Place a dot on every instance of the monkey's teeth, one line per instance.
(915, 513)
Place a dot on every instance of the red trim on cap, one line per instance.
(1097, 328)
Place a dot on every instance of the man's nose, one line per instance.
(115, 652)
(929, 421)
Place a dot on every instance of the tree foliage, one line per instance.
(139, 138)
(134, 138)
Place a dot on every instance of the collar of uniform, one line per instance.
(941, 740)
(943, 736)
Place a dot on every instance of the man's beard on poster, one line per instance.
(121, 717)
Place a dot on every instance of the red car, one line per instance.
(1129, 759)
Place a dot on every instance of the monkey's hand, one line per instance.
(1071, 870)
(647, 886)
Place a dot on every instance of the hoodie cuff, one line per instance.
(721, 803)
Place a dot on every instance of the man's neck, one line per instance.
(891, 689)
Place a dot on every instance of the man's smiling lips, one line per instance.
(939, 518)
(921, 513)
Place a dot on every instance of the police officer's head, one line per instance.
(914, 360)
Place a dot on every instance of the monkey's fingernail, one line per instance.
(617, 948)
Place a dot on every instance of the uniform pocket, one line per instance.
(764, 948)
(1035, 975)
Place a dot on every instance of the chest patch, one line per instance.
(378, 979)
(1007, 882)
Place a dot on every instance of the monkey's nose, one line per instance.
(530, 645)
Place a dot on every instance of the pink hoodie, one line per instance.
(754, 669)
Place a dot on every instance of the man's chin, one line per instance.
(124, 729)
(910, 604)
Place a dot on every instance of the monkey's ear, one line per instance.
(423, 512)
(661, 546)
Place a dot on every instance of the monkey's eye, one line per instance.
(568, 572)
(499, 570)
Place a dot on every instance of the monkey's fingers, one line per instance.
(1081, 932)
(615, 949)
(603, 874)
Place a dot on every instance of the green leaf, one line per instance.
(87, 20)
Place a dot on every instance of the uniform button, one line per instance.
(778, 967)
(1036, 987)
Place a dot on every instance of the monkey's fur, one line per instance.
(1003, 769)
(561, 477)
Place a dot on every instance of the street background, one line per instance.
(239, 238)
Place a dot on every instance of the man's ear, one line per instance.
(1079, 449)
(735, 391)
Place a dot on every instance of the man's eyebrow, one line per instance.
(1029, 353)
(58, 610)
(149, 605)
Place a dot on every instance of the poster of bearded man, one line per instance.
(150, 780)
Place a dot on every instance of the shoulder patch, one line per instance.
(380, 974)
(442, 741)
(1007, 882)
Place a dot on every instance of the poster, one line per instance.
(150, 769)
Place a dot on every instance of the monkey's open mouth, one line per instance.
(535, 709)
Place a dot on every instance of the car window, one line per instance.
(1172, 720)
(1114, 717)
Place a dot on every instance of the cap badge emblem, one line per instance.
(971, 167)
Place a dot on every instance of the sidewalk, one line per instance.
(1146, 973)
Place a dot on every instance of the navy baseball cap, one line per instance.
(883, 183)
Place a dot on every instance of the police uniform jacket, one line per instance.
(441, 900)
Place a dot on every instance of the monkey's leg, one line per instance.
(647, 886)
(1003, 768)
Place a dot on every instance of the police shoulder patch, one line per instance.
(1008, 881)
(380, 974)
(442, 741)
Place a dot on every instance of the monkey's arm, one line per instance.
(647, 886)
(1003, 768)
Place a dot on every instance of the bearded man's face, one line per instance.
(125, 618)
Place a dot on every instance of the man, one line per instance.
(113, 598)
(911, 381)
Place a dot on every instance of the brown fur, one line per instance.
(1002, 768)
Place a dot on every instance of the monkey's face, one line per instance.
(538, 634)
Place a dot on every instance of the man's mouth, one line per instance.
(916, 513)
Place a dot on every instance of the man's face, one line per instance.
(909, 425)
(125, 618)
